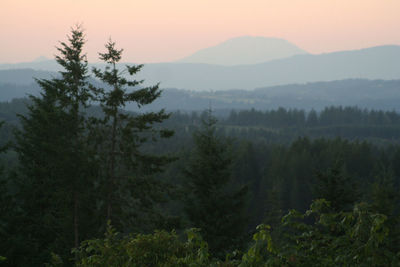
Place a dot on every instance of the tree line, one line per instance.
(299, 118)
(279, 125)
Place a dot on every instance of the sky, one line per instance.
(167, 30)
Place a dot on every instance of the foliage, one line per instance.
(337, 187)
(56, 171)
(128, 189)
(318, 237)
(356, 238)
(4, 203)
(69, 158)
(158, 249)
(384, 194)
(212, 203)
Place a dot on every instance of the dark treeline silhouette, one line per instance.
(275, 118)
(278, 125)
(299, 118)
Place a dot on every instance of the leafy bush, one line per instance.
(319, 237)
(159, 249)
(356, 238)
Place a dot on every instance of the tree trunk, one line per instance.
(76, 221)
(112, 171)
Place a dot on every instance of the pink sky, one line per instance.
(167, 30)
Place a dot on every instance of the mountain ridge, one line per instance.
(382, 62)
(379, 62)
(244, 50)
(371, 94)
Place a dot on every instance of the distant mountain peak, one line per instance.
(41, 59)
(245, 50)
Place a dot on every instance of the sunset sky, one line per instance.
(167, 30)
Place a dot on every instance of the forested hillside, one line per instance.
(87, 181)
(280, 156)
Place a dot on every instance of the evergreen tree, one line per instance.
(335, 186)
(384, 193)
(5, 206)
(129, 187)
(384, 199)
(312, 118)
(56, 164)
(213, 204)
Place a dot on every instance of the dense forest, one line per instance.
(84, 182)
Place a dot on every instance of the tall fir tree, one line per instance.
(73, 96)
(213, 203)
(129, 187)
(55, 160)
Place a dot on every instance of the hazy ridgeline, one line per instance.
(369, 94)
(295, 67)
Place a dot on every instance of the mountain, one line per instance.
(37, 64)
(24, 76)
(244, 50)
(381, 62)
(371, 94)
(40, 59)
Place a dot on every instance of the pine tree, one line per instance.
(130, 189)
(213, 204)
(55, 160)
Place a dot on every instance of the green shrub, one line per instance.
(158, 249)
